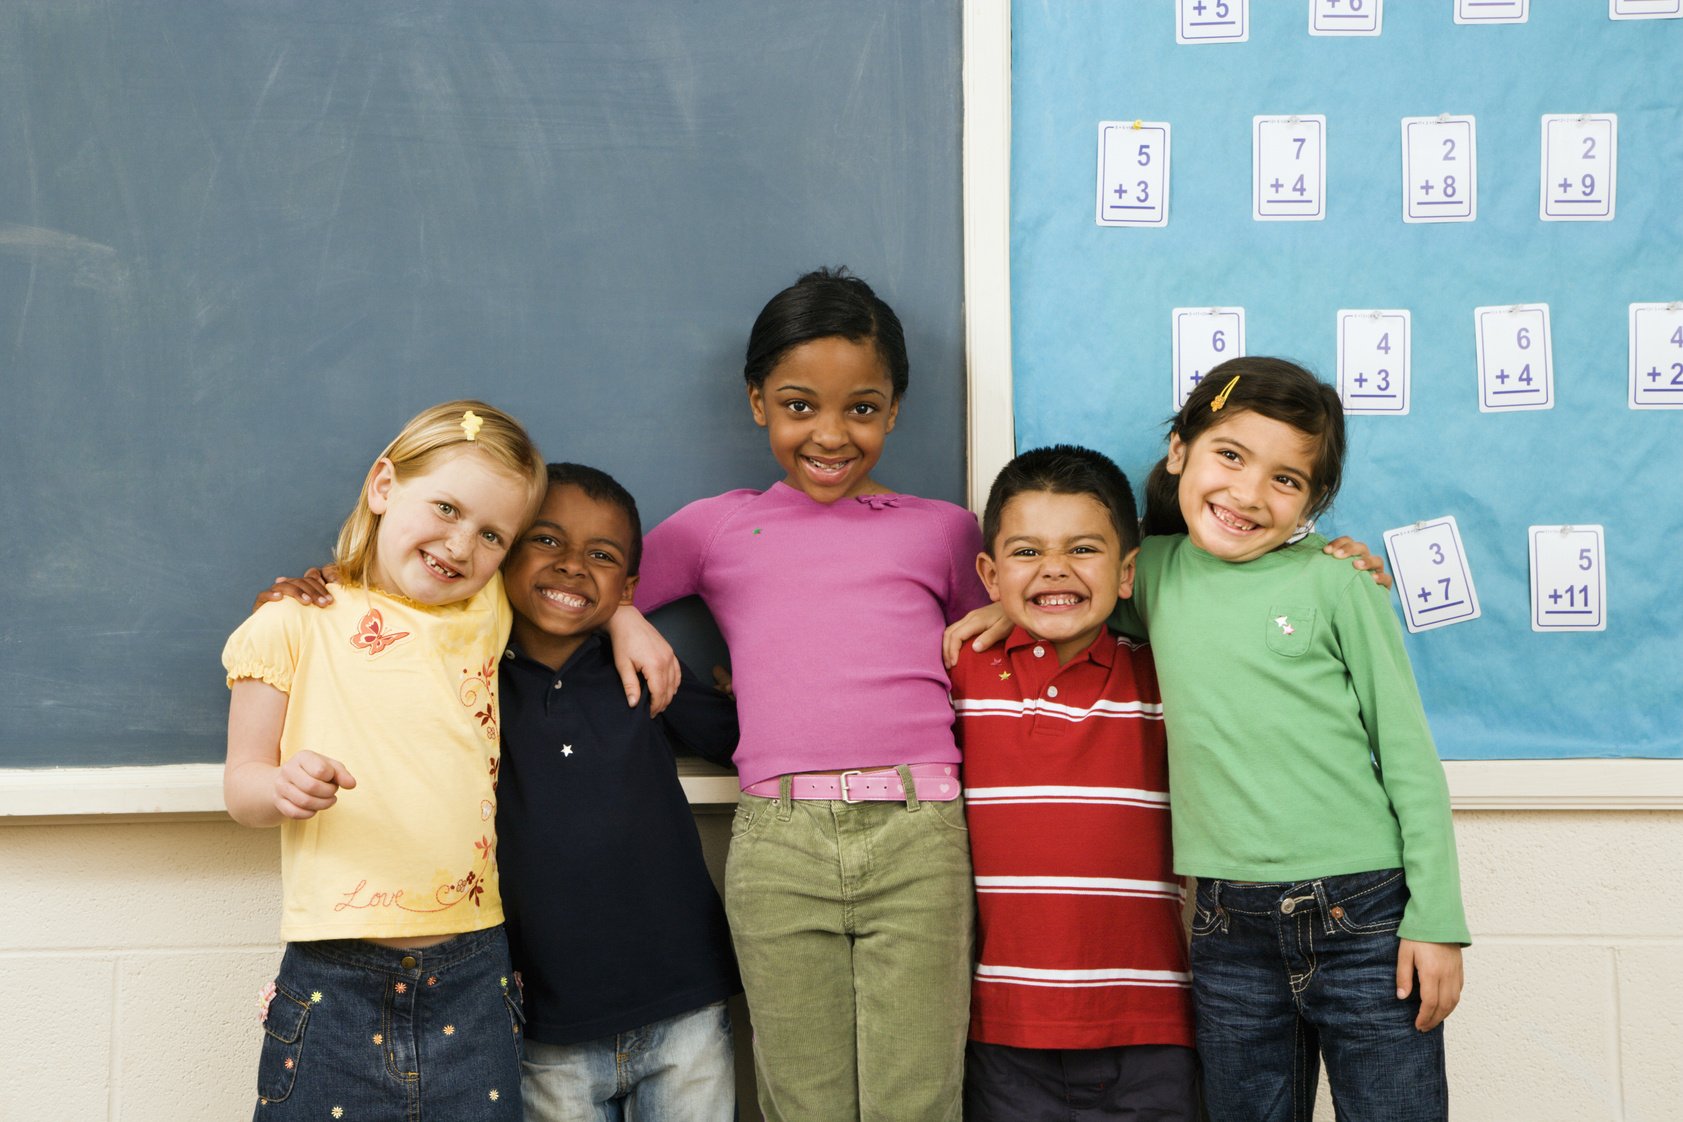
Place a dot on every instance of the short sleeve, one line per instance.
(265, 646)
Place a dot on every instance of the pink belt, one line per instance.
(936, 783)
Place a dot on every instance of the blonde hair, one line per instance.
(430, 437)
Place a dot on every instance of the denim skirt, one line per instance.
(360, 1031)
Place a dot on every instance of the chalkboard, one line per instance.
(1091, 311)
(242, 242)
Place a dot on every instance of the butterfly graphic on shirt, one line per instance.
(372, 634)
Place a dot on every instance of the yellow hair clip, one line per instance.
(471, 423)
(1221, 398)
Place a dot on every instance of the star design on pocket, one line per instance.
(1285, 626)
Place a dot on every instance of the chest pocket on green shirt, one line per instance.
(1289, 629)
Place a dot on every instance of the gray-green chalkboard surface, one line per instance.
(241, 242)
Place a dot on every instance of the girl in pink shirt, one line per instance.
(848, 880)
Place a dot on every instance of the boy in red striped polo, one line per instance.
(1081, 1004)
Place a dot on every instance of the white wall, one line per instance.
(131, 952)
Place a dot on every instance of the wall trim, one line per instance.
(53, 795)
(990, 434)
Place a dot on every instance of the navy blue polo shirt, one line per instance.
(612, 918)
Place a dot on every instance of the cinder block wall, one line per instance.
(131, 953)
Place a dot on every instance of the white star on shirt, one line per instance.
(566, 749)
(1285, 627)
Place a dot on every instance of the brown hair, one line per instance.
(1275, 388)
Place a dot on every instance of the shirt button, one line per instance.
(508, 654)
(1051, 691)
(556, 686)
(1040, 652)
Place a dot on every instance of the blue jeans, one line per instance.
(679, 1068)
(361, 1031)
(1285, 974)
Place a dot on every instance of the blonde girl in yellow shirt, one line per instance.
(367, 731)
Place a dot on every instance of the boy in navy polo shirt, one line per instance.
(1081, 1004)
(617, 933)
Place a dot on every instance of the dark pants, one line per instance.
(1286, 974)
(372, 1034)
(1138, 1083)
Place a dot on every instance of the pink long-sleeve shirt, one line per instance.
(833, 615)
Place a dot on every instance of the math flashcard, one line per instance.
(1580, 167)
(1492, 11)
(1203, 338)
(1568, 578)
(1515, 358)
(1374, 360)
(1645, 9)
(1440, 169)
(1346, 17)
(1289, 168)
(1656, 355)
(1133, 173)
(1432, 577)
(1212, 21)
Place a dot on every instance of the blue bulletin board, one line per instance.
(1091, 310)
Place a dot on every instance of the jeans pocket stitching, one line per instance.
(283, 1045)
(1385, 926)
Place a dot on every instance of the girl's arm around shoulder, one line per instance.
(675, 551)
(963, 537)
(701, 720)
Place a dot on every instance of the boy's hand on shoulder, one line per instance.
(987, 625)
(639, 647)
(311, 588)
(1438, 966)
(1346, 546)
(309, 783)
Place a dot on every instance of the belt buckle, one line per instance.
(845, 797)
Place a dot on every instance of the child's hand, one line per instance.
(308, 783)
(721, 682)
(1346, 546)
(987, 623)
(311, 588)
(1438, 966)
(639, 647)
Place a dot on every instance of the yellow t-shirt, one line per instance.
(405, 695)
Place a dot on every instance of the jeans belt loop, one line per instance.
(909, 785)
(1327, 924)
(785, 797)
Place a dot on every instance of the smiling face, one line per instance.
(567, 576)
(1245, 485)
(827, 405)
(444, 531)
(1057, 568)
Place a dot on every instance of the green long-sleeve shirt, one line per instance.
(1298, 746)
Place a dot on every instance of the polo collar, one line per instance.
(1101, 651)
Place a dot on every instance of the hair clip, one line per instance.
(471, 423)
(1221, 398)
